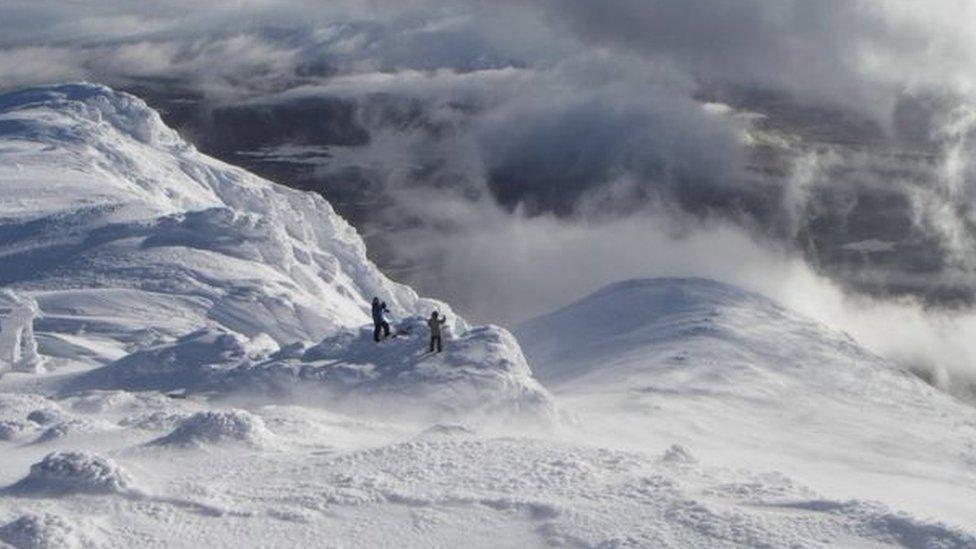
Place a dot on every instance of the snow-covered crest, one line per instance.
(130, 240)
(99, 194)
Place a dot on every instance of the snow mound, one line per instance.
(215, 427)
(74, 473)
(701, 338)
(60, 430)
(45, 531)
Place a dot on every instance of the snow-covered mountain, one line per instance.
(109, 213)
(187, 361)
(130, 241)
(735, 375)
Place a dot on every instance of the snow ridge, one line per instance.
(176, 271)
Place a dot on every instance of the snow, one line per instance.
(43, 531)
(115, 226)
(209, 378)
(74, 472)
(738, 379)
(213, 427)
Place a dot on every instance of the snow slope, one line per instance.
(115, 224)
(206, 376)
(736, 377)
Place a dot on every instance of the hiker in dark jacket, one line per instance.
(380, 323)
(435, 325)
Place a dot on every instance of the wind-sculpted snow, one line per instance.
(575, 496)
(713, 366)
(45, 531)
(118, 227)
(205, 428)
(61, 473)
(482, 372)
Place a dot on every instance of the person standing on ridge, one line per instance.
(435, 324)
(380, 323)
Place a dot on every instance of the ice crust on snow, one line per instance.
(595, 497)
(213, 427)
(43, 531)
(74, 473)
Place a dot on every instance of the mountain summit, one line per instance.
(714, 366)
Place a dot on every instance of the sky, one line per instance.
(511, 156)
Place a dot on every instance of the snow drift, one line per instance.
(42, 531)
(205, 428)
(167, 269)
(61, 473)
(728, 372)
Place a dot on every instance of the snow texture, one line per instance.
(205, 428)
(45, 531)
(61, 473)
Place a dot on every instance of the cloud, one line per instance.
(509, 267)
(853, 52)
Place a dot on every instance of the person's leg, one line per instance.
(432, 339)
(386, 329)
(376, 332)
(440, 347)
